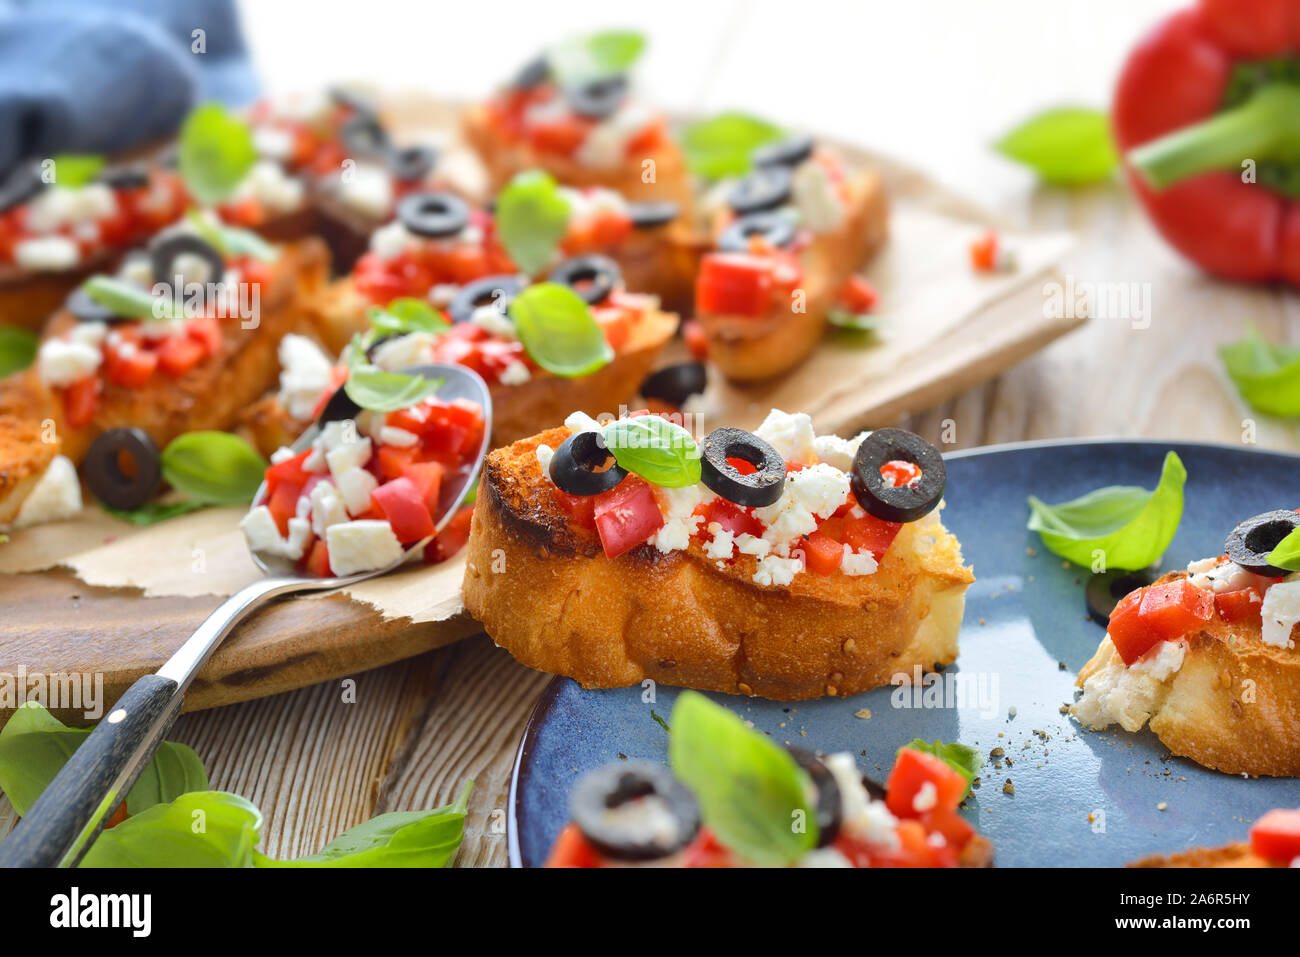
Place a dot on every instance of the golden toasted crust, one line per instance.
(1233, 855)
(28, 299)
(28, 442)
(748, 349)
(545, 591)
(1233, 706)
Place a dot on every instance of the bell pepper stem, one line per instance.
(1265, 128)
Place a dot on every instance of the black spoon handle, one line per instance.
(59, 828)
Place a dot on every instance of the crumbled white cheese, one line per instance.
(348, 455)
(443, 293)
(774, 570)
(367, 189)
(823, 857)
(356, 485)
(817, 197)
(90, 333)
(748, 544)
(327, 508)
(516, 373)
(273, 142)
(722, 544)
(402, 352)
(926, 798)
(61, 362)
(858, 563)
(400, 438)
(581, 422)
(389, 242)
(606, 143)
(791, 435)
(60, 206)
(47, 254)
(361, 546)
(836, 451)
(264, 537)
(544, 455)
(1128, 696)
(282, 454)
(491, 319)
(304, 375)
(55, 496)
(1221, 576)
(1280, 613)
(273, 187)
(810, 493)
(862, 817)
(678, 506)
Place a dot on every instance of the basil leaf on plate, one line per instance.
(35, 745)
(151, 513)
(655, 449)
(17, 349)
(215, 468)
(399, 839)
(406, 315)
(557, 329)
(215, 153)
(962, 758)
(1066, 146)
(532, 216)
(858, 322)
(168, 835)
(232, 240)
(1286, 554)
(750, 790)
(1131, 526)
(1266, 374)
(129, 300)
(595, 55)
(724, 145)
(74, 170)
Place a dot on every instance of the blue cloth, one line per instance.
(99, 77)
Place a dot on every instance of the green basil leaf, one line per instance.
(129, 300)
(199, 829)
(399, 839)
(858, 322)
(151, 513)
(17, 349)
(35, 745)
(74, 170)
(1067, 146)
(724, 145)
(750, 791)
(1266, 374)
(1130, 525)
(1287, 552)
(215, 153)
(557, 329)
(215, 468)
(372, 388)
(232, 240)
(595, 55)
(403, 316)
(962, 758)
(531, 217)
(655, 449)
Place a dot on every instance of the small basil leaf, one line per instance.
(215, 153)
(596, 55)
(381, 391)
(215, 468)
(531, 217)
(165, 835)
(231, 240)
(859, 322)
(1068, 146)
(1266, 374)
(655, 449)
(962, 758)
(151, 513)
(74, 170)
(128, 300)
(1287, 553)
(724, 145)
(1131, 526)
(557, 329)
(403, 316)
(751, 792)
(17, 349)
(399, 839)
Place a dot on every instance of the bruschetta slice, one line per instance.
(788, 239)
(1208, 658)
(1274, 842)
(774, 565)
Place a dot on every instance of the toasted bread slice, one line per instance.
(545, 591)
(1233, 705)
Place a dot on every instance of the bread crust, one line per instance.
(544, 590)
(1231, 855)
(1233, 706)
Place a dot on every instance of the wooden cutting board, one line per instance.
(53, 622)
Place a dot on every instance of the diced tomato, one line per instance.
(318, 561)
(954, 828)
(1128, 632)
(913, 849)
(857, 295)
(393, 460)
(733, 284)
(1173, 609)
(912, 771)
(338, 375)
(572, 849)
(180, 354)
(453, 536)
(1276, 836)
(899, 473)
(562, 136)
(283, 503)
(427, 477)
(822, 554)
(734, 518)
(707, 851)
(581, 508)
(1243, 604)
(870, 534)
(742, 466)
(402, 503)
(289, 471)
(626, 515)
(697, 341)
(131, 368)
(207, 332)
(616, 323)
(984, 252)
(80, 400)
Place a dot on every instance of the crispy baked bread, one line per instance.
(27, 300)
(545, 592)
(748, 349)
(1233, 855)
(27, 446)
(1233, 705)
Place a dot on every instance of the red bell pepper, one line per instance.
(1207, 111)
(1276, 836)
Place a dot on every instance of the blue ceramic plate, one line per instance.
(1081, 798)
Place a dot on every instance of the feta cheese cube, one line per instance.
(516, 373)
(62, 362)
(390, 435)
(55, 496)
(403, 352)
(389, 242)
(355, 484)
(1281, 613)
(361, 546)
(347, 456)
(368, 189)
(836, 451)
(47, 254)
(817, 198)
(858, 563)
(791, 435)
(327, 508)
(774, 570)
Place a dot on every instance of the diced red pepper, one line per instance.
(1276, 836)
(207, 332)
(80, 400)
(870, 534)
(1242, 604)
(733, 284)
(291, 471)
(318, 561)
(913, 770)
(180, 354)
(898, 472)
(707, 851)
(427, 477)
(283, 503)
(822, 554)
(581, 508)
(626, 515)
(734, 518)
(1129, 634)
(131, 368)
(857, 295)
(393, 459)
(954, 828)
(1173, 609)
(453, 536)
(572, 849)
(403, 505)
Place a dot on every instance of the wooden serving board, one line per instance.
(53, 622)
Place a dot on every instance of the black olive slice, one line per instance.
(599, 98)
(759, 488)
(652, 215)
(903, 503)
(776, 229)
(434, 214)
(85, 309)
(765, 188)
(1250, 542)
(600, 807)
(592, 277)
(164, 250)
(358, 103)
(829, 806)
(533, 73)
(574, 466)
(481, 292)
(363, 135)
(20, 185)
(788, 152)
(1105, 590)
(676, 383)
(116, 487)
(412, 164)
(875, 790)
(339, 408)
(125, 176)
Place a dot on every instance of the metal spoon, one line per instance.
(60, 827)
